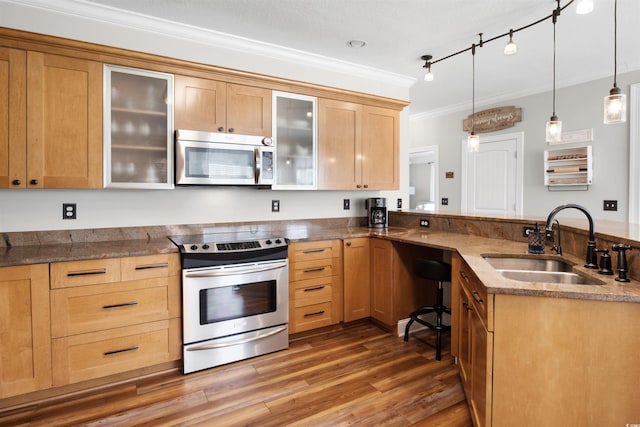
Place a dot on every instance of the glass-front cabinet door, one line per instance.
(295, 133)
(138, 128)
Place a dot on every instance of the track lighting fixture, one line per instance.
(510, 47)
(615, 104)
(554, 126)
(428, 77)
(473, 140)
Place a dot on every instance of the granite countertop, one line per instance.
(471, 248)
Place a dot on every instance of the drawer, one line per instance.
(311, 269)
(81, 273)
(150, 266)
(307, 251)
(87, 356)
(477, 291)
(314, 291)
(98, 307)
(312, 316)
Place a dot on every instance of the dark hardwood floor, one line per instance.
(354, 375)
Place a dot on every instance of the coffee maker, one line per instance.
(376, 212)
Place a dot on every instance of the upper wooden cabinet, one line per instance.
(25, 347)
(54, 139)
(358, 146)
(215, 106)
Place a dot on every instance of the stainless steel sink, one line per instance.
(536, 269)
(528, 264)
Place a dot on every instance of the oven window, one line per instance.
(236, 301)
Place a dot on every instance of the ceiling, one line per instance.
(398, 32)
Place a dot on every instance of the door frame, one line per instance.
(519, 137)
(435, 174)
(634, 154)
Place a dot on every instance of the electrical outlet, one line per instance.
(424, 222)
(346, 204)
(275, 206)
(610, 205)
(69, 211)
(399, 204)
(444, 201)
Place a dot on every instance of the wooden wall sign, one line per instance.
(493, 119)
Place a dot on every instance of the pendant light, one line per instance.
(473, 140)
(615, 104)
(511, 47)
(584, 7)
(554, 126)
(428, 77)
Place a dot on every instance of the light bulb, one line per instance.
(428, 77)
(584, 7)
(510, 47)
(473, 143)
(554, 130)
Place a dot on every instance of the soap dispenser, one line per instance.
(536, 241)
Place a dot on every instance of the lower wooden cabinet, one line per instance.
(357, 285)
(315, 285)
(114, 315)
(25, 342)
(382, 281)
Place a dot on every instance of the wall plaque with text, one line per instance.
(493, 119)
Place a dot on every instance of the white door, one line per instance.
(492, 177)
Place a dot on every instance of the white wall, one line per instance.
(579, 107)
(28, 210)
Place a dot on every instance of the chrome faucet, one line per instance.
(592, 260)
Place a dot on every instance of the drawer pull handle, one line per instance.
(476, 296)
(312, 270)
(150, 266)
(312, 251)
(122, 350)
(464, 276)
(315, 288)
(315, 313)
(124, 304)
(86, 272)
(466, 306)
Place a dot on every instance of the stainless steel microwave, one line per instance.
(209, 158)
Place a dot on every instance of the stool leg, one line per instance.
(439, 303)
(406, 329)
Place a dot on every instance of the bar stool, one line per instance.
(437, 271)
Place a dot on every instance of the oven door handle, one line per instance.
(237, 342)
(232, 271)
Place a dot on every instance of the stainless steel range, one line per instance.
(235, 297)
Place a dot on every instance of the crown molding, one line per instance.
(85, 10)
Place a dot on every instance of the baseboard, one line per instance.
(415, 326)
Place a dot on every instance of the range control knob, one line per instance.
(194, 247)
(268, 242)
(205, 246)
(278, 241)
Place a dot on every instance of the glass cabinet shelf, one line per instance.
(138, 128)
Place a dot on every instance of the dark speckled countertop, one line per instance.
(470, 247)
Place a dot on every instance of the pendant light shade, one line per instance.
(584, 7)
(428, 77)
(615, 104)
(473, 143)
(511, 47)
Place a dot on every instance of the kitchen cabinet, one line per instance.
(357, 286)
(295, 137)
(473, 340)
(114, 315)
(215, 106)
(358, 147)
(315, 284)
(25, 341)
(59, 100)
(382, 283)
(138, 128)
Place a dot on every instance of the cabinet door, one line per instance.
(382, 281)
(339, 145)
(25, 341)
(479, 371)
(64, 122)
(200, 104)
(357, 288)
(380, 148)
(248, 110)
(464, 337)
(138, 128)
(13, 118)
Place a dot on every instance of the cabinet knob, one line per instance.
(348, 243)
(358, 186)
(231, 130)
(366, 186)
(33, 182)
(220, 129)
(16, 182)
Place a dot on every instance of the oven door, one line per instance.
(233, 299)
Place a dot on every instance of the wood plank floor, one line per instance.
(354, 375)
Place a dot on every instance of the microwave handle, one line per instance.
(258, 169)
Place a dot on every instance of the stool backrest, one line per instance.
(432, 269)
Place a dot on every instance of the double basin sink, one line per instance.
(538, 269)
